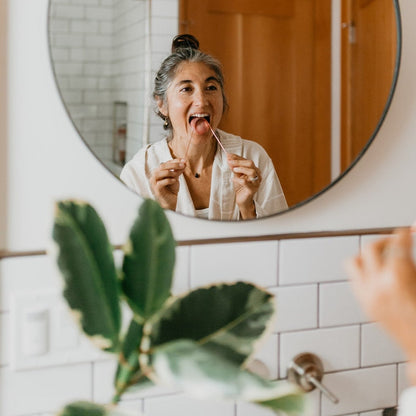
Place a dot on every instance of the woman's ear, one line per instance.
(162, 107)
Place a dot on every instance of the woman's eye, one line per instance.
(185, 89)
(212, 88)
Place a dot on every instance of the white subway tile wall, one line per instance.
(403, 381)
(99, 52)
(361, 390)
(26, 275)
(373, 413)
(249, 262)
(181, 283)
(44, 389)
(268, 354)
(316, 312)
(5, 338)
(315, 260)
(180, 405)
(377, 347)
(81, 45)
(248, 409)
(132, 408)
(103, 378)
(339, 348)
(297, 307)
(338, 306)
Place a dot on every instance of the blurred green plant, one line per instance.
(199, 342)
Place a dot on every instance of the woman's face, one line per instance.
(194, 92)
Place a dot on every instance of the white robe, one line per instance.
(269, 199)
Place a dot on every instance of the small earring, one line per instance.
(166, 124)
(166, 120)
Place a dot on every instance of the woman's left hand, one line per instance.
(247, 179)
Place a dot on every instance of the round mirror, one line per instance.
(310, 81)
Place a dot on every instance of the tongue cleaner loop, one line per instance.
(204, 124)
(187, 147)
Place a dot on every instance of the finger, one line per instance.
(243, 181)
(354, 267)
(373, 254)
(240, 180)
(240, 161)
(233, 157)
(404, 237)
(163, 183)
(165, 174)
(175, 164)
(245, 163)
(159, 184)
(401, 244)
(397, 246)
(159, 174)
(249, 172)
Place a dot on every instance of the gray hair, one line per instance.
(184, 49)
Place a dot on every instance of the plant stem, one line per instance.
(121, 390)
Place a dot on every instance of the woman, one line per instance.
(191, 171)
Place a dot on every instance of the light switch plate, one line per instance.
(43, 333)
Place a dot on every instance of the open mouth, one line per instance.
(200, 116)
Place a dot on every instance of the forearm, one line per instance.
(247, 211)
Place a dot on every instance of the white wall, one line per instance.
(316, 313)
(129, 65)
(102, 52)
(46, 160)
(82, 47)
(49, 161)
(3, 121)
(99, 55)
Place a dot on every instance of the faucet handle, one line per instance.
(306, 370)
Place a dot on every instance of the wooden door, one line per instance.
(276, 58)
(369, 36)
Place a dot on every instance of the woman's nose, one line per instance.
(200, 97)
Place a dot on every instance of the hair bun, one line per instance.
(184, 41)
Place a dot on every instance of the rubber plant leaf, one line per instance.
(129, 375)
(85, 259)
(205, 374)
(149, 259)
(230, 318)
(83, 408)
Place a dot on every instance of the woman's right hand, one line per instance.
(165, 182)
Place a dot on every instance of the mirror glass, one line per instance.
(309, 81)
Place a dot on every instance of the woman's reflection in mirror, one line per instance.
(197, 169)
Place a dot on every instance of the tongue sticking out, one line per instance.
(200, 125)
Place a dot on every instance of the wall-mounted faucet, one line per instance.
(306, 370)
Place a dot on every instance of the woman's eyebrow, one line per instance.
(212, 78)
(184, 81)
(189, 81)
